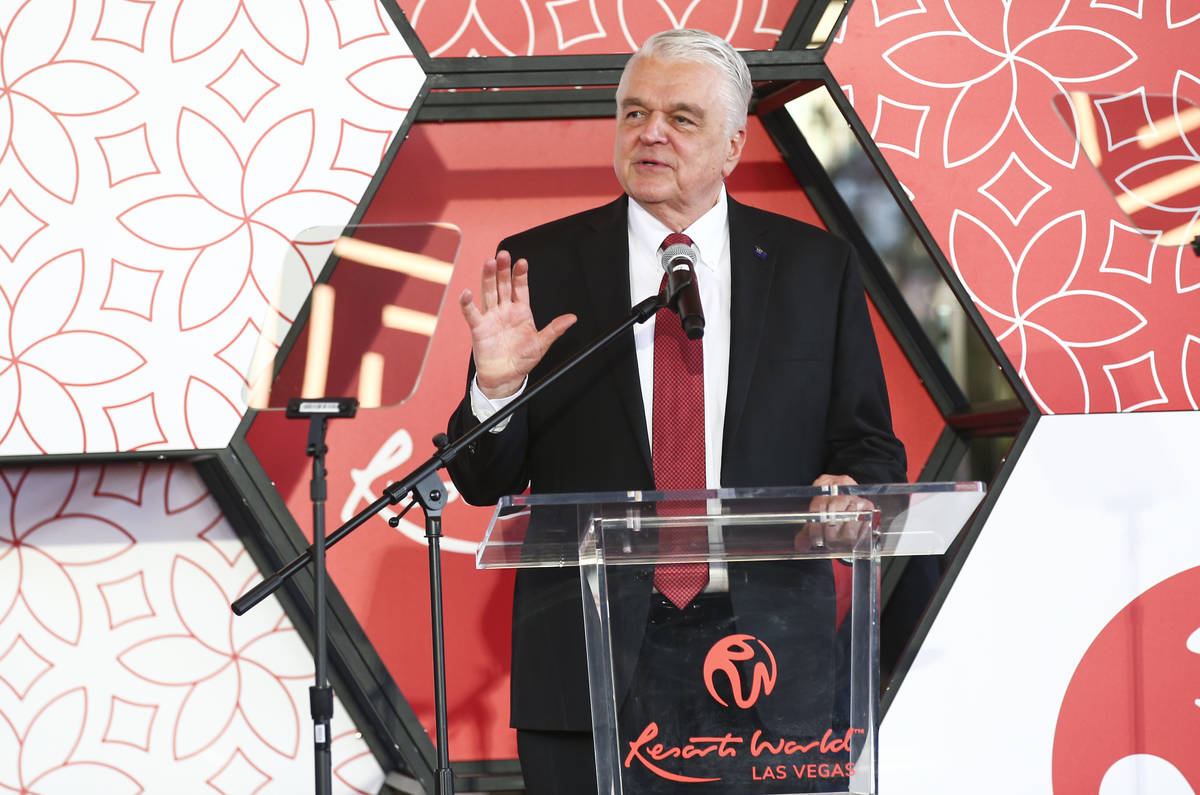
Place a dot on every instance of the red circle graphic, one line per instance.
(1136, 691)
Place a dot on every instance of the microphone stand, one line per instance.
(428, 490)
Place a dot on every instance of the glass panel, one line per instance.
(752, 690)
(985, 454)
(554, 530)
(896, 242)
(368, 326)
(764, 684)
(1146, 149)
(826, 26)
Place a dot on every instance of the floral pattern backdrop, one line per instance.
(122, 669)
(155, 161)
(157, 157)
(961, 99)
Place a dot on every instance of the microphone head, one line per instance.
(675, 248)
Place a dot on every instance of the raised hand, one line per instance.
(505, 341)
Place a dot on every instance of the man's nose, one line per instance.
(655, 129)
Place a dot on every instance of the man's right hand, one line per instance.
(505, 342)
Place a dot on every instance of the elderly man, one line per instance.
(785, 388)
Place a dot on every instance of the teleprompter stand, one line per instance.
(320, 696)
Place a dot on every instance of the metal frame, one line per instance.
(800, 28)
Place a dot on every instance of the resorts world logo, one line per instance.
(770, 757)
(722, 662)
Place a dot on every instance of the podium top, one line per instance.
(743, 524)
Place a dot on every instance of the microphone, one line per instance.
(678, 258)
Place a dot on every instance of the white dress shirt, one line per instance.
(710, 234)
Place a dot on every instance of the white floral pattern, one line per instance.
(177, 144)
(122, 669)
(42, 758)
(45, 361)
(239, 216)
(41, 543)
(228, 666)
(42, 88)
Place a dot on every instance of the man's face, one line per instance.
(672, 152)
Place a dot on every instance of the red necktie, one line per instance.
(678, 444)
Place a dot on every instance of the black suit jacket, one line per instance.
(806, 396)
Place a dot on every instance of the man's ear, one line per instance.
(736, 142)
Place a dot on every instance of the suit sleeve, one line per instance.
(859, 440)
(493, 465)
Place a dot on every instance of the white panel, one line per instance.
(1099, 509)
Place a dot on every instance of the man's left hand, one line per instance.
(834, 536)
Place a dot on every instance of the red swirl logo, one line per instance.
(723, 659)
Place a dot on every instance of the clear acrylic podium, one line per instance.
(768, 681)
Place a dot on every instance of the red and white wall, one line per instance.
(1067, 656)
(122, 669)
(156, 158)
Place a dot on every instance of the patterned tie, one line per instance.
(678, 444)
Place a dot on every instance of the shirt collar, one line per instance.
(708, 231)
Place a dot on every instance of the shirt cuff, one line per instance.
(484, 407)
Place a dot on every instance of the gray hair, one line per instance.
(700, 46)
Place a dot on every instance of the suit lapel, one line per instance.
(604, 252)
(752, 260)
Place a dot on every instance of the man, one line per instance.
(792, 388)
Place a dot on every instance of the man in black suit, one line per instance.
(793, 387)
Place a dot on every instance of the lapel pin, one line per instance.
(758, 252)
